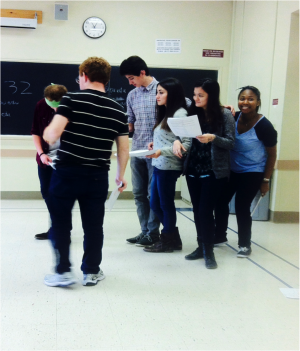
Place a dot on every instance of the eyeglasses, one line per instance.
(77, 80)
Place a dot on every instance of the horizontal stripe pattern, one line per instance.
(94, 122)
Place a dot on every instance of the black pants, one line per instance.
(45, 178)
(245, 186)
(205, 192)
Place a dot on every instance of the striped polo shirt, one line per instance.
(95, 120)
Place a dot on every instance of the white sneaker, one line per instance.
(56, 279)
(244, 252)
(92, 279)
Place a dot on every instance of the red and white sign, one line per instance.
(275, 102)
(213, 53)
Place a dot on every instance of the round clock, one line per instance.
(94, 27)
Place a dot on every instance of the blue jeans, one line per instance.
(88, 185)
(162, 197)
(45, 178)
(141, 175)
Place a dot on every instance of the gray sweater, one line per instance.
(220, 146)
(163, 140)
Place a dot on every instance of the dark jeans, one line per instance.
(141, 176)
(204, 193)
(88, 185)
(45, 178)
(245, 186)
(162, 197)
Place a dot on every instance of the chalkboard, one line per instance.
(23, 85)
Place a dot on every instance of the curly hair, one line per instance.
(97, 69)
(55, 92)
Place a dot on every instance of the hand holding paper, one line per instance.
(185, 127)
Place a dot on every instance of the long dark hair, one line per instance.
(214, 110)
(175, 100)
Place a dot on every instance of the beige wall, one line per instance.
(260, 56)
(132, 28)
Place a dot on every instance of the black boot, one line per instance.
(195, 255)
(209, 257)
(177, 243)
(165, 244)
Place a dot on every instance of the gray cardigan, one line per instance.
(163, 140)
(220, 146)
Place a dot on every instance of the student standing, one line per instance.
(207, 164)
(43, 115)
(252, 162)
(167, 168)
(88, 122)
(141, 103)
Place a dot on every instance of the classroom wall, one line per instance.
(132, 27)
(265, 54)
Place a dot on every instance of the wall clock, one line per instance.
(94, 27)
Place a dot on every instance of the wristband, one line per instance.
(266, 180)
(42, 154)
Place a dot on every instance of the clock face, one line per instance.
(94, 27)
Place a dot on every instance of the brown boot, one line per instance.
(165, 244)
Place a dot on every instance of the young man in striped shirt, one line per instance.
(141, 103)
(87, 123)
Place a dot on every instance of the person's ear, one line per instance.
(142, 73)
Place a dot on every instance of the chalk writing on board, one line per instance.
(22, 89)
(9, 103)
(5, 114)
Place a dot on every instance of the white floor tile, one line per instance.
(147, 301)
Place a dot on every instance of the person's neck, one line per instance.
(95, 86)
(147, 80)
(249, 116)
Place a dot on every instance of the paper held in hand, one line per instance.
(109, 204)
(185, 127)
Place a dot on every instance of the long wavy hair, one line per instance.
(214, 110)
(175, 100)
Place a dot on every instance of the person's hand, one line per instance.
(124, 183)
(131, 127)
(177, 147)
(150, 146)
(231, 108)
(155, 155)
(264, 188)
(45, 159)
(205, 138)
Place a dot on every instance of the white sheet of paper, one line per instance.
(185, 127)
(137, 153)
(290, 293)
(109, 204)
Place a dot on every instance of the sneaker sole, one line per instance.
(242, 256)
(62, 284)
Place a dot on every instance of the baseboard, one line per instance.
(284, 217)
(36, 195)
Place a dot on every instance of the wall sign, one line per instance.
(168, 46)
(275, 102)
(213, 53)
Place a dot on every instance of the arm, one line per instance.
(55, 129)
(122, 159)
(226, 141)
(130, 114)
(38, 145)
(271, 159)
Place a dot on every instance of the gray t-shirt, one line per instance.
(163, 140)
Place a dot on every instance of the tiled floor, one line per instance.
(148, 301)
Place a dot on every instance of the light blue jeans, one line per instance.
(141, 177)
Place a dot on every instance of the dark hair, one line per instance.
(175, 100)
(254, 90)
(133, 65)
(97, 69)
(55, 92)
(214, 110)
